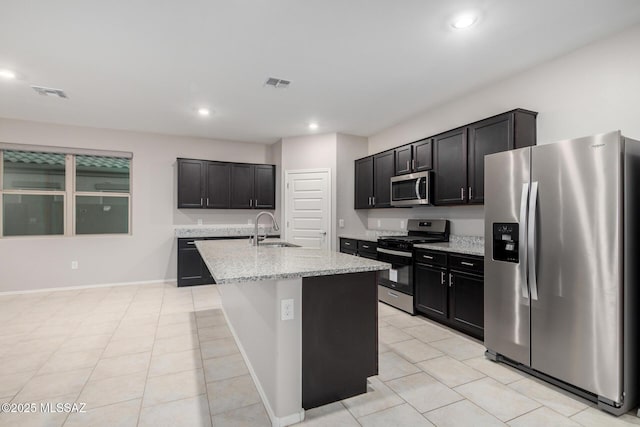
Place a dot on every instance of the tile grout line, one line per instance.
(204, 374)
(42, 323)
(103, 350)
(146, 377)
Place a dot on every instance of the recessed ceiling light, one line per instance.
(204, 112)
(7, 74)
(313, 126)
(463, 21)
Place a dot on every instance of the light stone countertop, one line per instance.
(372, 235)
(236, 261)
(220, 230)
(469, 245)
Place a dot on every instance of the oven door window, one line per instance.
(403, 279)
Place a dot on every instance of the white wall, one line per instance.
(313, 152)
(150, 252)
(592, 90)
(349, 148)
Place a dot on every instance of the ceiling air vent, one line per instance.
(48, 91)
(279, 83)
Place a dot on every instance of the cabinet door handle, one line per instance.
(201, 201)
(462, 193)
(442, 282)
(250, 203)
(256, 204)
(207, 201)
(347, 244)
(191, 243)
(470, 194)
(427, 256)
(470, 264)
(408, 165)
(391, 294)
(450, 279)
(365, 246)
(373, 201)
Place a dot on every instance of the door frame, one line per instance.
(287, 214)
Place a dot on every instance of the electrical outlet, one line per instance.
(286, 309)
(74, 265)
(379, 223)
(199, 221)
(341, 223)
(402, 224)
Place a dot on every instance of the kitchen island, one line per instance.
(305, 321)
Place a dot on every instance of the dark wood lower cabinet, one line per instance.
(452, 294)
(466, 302)
(339, 336)
(191, 268)
(431, 293)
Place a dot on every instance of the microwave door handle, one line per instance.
(418, 188)
(522, 240)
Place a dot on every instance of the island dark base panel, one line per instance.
(339, 336)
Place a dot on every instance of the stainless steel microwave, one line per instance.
(411, 190)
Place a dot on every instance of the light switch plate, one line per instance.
(199, 221)
(341, 223)
(402, 224)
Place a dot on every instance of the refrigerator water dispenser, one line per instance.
(505, 241)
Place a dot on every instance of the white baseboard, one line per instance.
(102, 285)
(275, 421)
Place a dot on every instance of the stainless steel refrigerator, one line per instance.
(562, 224)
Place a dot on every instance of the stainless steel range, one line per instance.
(396, 285)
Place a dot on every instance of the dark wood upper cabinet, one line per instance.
(404, 157)
(363, 198)
(191, 182)
(224, 185)
(218, 182)
(450, 156)
(383, 168)
(416, 157)
(459, 154)
(242, 182)
(264, 188)
(422, 155)
(494, 135)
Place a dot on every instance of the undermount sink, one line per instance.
(278, 245)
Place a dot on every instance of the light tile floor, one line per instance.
(157, 355)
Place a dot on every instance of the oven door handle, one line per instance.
(398, 253)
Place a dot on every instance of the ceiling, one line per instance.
(356, 66)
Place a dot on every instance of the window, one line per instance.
(64, 194)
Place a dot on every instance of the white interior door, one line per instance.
(308, 207)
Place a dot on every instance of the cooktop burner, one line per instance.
(420, 231)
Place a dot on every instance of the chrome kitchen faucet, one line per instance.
(274, 226)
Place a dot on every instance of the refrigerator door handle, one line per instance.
(523, 240)
(531, 240)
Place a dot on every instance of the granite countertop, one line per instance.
(221, 230)
(372, 235)
(469, 245)
(234, 261)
